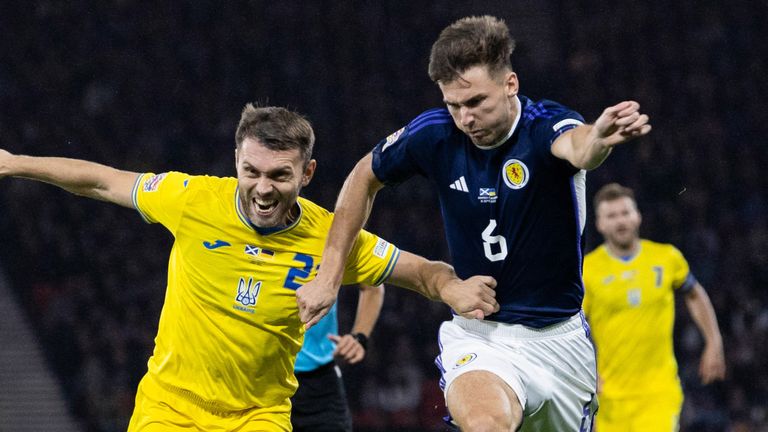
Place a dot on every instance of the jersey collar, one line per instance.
(511, 130)
(625, 258)
(263, 231)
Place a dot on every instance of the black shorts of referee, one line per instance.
(320, 403)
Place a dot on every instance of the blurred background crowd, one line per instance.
(157, 86)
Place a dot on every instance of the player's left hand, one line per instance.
(474, 298)
(621, 123)
(712, 366)
(348, 349)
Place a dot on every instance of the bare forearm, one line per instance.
(350, 215)
(588, 151)
(703, 315)
(434, 276)
(421, 275)
(352, 209)
(587, 146)
(79, 177)
(470, 298)
(368, 309)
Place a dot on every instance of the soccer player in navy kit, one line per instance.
(510, 174)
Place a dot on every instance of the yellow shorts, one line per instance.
(158, 409)
(658, 412)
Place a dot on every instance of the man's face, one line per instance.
(619, 222)
(481, 105)
(269, 182)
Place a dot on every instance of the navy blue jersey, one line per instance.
(515, 212)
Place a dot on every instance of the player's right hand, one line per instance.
(712, 365)
(473, 298)
(5, 160)
(621, 123)
(315, 299)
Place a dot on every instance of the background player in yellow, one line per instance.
(629, 302)
(229, 329)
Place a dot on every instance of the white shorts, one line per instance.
(552, 370)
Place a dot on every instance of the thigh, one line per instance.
(481, 394)
(479, 377)
(320, 403)
(551, 371)
(462, 352)
(561, 387)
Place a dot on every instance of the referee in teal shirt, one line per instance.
(320, 403)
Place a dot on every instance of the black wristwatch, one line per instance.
(362, 339)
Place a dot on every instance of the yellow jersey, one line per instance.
(630, 306)
(229, 329)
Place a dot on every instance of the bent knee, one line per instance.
(480, 401)
(487, 422)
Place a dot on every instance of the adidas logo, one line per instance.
(459, 185)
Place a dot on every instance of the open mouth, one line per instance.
(264, 207)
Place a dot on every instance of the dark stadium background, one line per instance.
(156, 86)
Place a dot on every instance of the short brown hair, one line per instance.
(471, 41)
(276, 128)
(612, 191)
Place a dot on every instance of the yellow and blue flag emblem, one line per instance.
(487, 195)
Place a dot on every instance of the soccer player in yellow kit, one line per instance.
(629, 301)
(229, 329)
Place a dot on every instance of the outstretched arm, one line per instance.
(348, 348)
(353, 206)
(79, 177)
(587, 146)
(712, 366)
(471, 298)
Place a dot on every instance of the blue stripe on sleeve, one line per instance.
(135, 198)
(536, 110)
(429, 123)
(688, 284)
(439, 116)
(390, 266)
